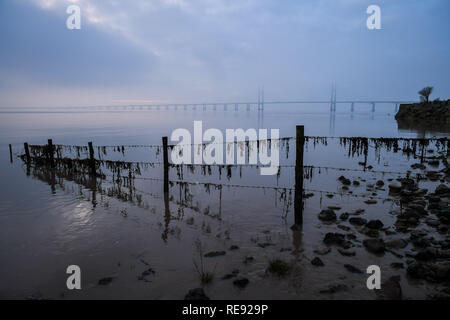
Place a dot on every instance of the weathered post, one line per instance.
(10, 154)
(298, 198)
(50, 152)
(27, 153)
(166, 165)
(91, 158)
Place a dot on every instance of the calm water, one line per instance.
(48, 223)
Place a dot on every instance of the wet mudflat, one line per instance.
(132, 242)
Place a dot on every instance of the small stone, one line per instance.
(241, 282)
(397, 265)
(334, 288)
(196, 294)
(344, 216)
(380, 183)
(327, 215)
(394, 188)
(396, 243)
(374, 245)
(347, 253)
(317, 262)
(105, 281)
(345, 228)
(358, 221)
(265, 244)
(426, 255)
(390, 289)
(375, 224)
(322, 251)
(352, 269)
(234, 247)
(248, 259)
(344, 180)
(213, 254)
(442, 189)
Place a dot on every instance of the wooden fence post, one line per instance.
(10, 154)
(91, 157)
(27, 153)
(50, 152)
(298, 198)
(166, 165)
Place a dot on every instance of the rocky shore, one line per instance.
(433, 113)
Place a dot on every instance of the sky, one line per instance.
(195, 51)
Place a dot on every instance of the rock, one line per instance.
(373, 233)
(327, 215)
(420, 242)
(233, 274)
(105, 281)
(358, 221)
(433, 175)
(342, 227)
(334, 239)
(434, 163)
(352, 269)
(417, 271)
(344, 216)
(347, 253)
(265, 245)
(334, 288)
(356, 183)
(442, 189)
(390, 289)
(395, 189)
(396, 244)
(213, 254)
(344, 180)
(374, 245)
(375, 224)
(334, 208)
(380, 183)
(196, 294)
(427, 254)
(370, 201)
(248, 259)
(397, 265)
(322, 251)
(241, 282)
(408, 184)
(234, 247)
(317, 262)
(418, 166)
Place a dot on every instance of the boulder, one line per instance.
(327, 215)
(375, 224)
(376, 246)
(196, 294)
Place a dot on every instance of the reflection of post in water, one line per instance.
(27, 157)
(10, 154)
(298, 197)
(93, 187)
(91, 158)
(50, 153)
(166, 189)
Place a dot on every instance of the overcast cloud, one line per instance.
(218, 50)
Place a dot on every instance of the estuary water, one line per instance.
(130, 242)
